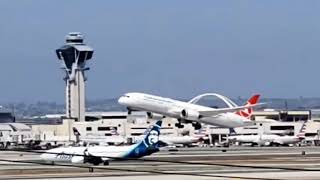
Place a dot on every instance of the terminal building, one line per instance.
(15, 134)
(131, 126)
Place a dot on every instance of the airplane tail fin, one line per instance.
(247, 113)
(152, 135)
(114, 131)
(149, 144)
(301, 134)
(76, 133)
(232, 131)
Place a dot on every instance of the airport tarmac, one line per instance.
(200, 163)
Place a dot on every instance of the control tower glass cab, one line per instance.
(74, 55)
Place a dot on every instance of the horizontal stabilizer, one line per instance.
(225, 110)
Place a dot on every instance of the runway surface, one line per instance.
(200, 163)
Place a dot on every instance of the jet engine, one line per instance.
(189, 114)
(154, 115)
(77, 159)
(93, 160)
(86, 159)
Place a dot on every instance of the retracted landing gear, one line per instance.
(179, 125)
(129, 111)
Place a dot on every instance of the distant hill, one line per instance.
(42, 108)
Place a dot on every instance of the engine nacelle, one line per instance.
(189, 114)
(154, 115)
(77, 159)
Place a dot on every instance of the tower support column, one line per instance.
(74, 55)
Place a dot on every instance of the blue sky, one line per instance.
(170, 48)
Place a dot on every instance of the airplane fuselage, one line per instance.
(173, 108)
(69, 154)
(265, 139)
(177, 140)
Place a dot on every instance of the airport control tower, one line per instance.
(74, 55)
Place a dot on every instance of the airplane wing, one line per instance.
(164, 143)
(257, 141)
(225, 110)
(106, 159)
(278, 141)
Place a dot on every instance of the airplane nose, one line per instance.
(121, 100)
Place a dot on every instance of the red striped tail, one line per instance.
(248, 112)
(302, 133)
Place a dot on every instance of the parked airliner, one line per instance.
(178, 141)
(115, 139)
(181, 140)
(235, 116)
(103, 154)
(270, 139)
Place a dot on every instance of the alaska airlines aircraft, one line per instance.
(234, 116)
(103, 154)
(269, 139)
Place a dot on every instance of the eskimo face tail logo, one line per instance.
(153, 137)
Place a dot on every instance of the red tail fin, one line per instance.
(248, 112)
(253, 100)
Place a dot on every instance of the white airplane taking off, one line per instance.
(233, 116)
(269, 139)
(103, 154)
